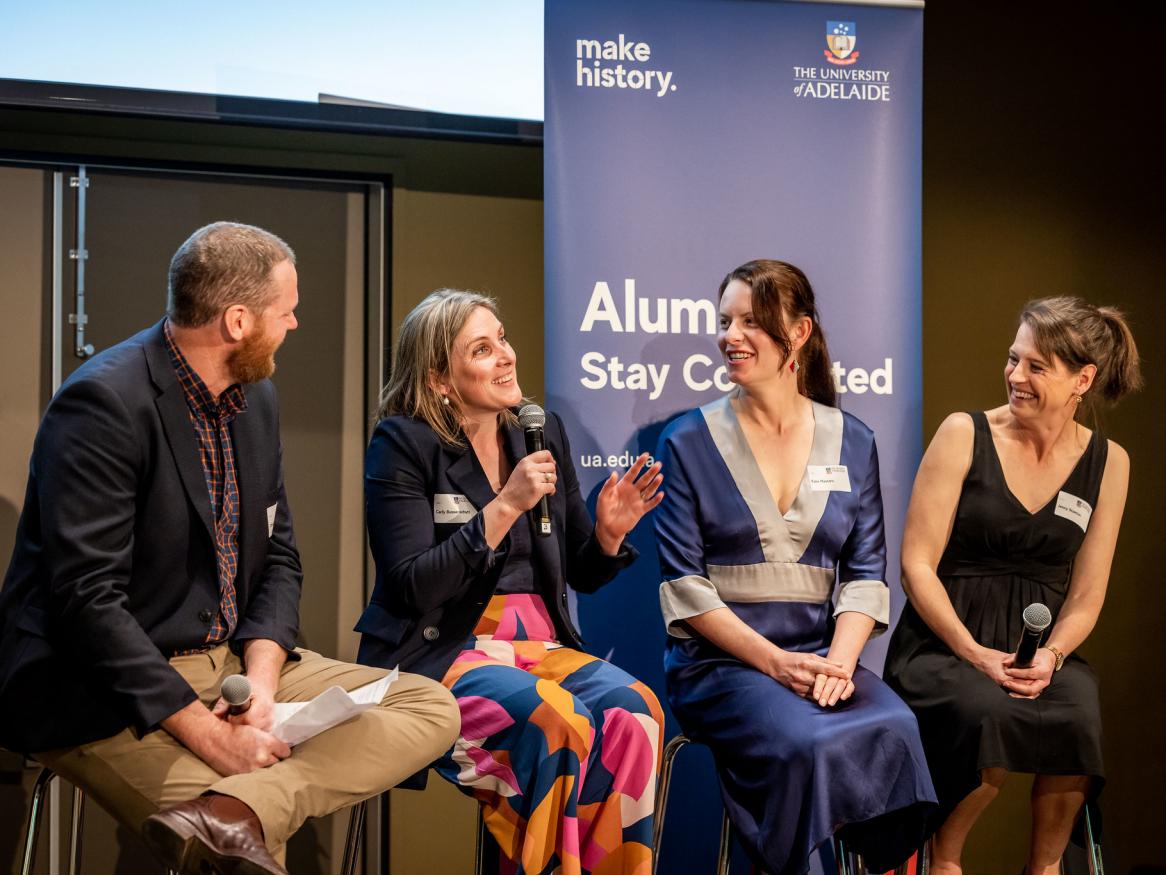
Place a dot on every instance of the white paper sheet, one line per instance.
(296, 722)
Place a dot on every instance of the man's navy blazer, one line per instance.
(434, 578)
(114, 565)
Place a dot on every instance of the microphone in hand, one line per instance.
(532, 418)
(236, 692)
(1037, 618)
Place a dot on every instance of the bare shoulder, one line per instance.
(950, 452)
(956, 434)
(1117, 461)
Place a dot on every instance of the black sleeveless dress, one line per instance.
(999, 559)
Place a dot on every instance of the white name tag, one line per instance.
(271, 519)
(828, 478)
(1073, 508)
(449, 508)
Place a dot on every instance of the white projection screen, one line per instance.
(342, 64)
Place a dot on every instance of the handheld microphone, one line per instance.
(236, 692)
(1036, 619)
(532, 418)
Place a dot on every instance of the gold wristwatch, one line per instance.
(1058, 654)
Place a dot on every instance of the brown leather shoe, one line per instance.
(210, 835)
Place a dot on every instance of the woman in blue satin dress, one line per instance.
(772, 508)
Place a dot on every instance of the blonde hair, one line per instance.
(424, 349)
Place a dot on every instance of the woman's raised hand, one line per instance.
(623, 501)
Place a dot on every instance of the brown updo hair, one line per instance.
(1080, 334)
(779, 287)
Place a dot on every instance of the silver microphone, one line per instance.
(236, 692)
(1036, 619)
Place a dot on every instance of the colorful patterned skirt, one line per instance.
(561, 748)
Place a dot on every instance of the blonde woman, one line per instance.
(560, 747)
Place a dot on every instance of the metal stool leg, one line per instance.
(669, 757)
(841, 857)
(76, 830)
(1092, 847)
(726, 845)
(34, 814)
(480, 844)
(352, 839)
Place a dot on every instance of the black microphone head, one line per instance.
(531, 416)
(236, 690)
(1037, 617)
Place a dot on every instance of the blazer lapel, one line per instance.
(467, 475)
(175, 416)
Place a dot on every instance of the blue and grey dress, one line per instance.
(792, 773)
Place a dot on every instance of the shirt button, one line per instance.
(205, 615)
(430, 633)
(563, 598)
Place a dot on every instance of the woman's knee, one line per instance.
(993, 777)
(564, 720)
(634, 698)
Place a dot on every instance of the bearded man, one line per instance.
(155, 556)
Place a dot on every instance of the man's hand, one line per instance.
(264, 661)
(227, 747)
(235, 748)
(261, 713)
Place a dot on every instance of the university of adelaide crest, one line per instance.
(841, 37)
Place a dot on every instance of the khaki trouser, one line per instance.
(132, 777)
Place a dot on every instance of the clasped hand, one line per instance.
(812, 676)
(1020, 683)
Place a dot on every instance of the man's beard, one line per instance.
(254, 359)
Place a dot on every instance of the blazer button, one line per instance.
(563, 598)
(205, 615)
(430, 633)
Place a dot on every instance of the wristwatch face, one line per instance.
(1057, 656)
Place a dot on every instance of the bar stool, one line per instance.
(1092, 849)
(36, 812)
(1092, 845)
(848, 863)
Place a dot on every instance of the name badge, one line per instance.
(448, 508)
(1075, 509)
(271, 519)
(828, 478)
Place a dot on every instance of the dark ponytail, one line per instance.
(1122, 373)
(780, 288)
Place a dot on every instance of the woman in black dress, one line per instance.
(1012, 506)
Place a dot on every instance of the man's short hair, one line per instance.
(219, 265)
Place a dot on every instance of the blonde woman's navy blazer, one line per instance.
(434, 579)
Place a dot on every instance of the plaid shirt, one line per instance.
(211, 419)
